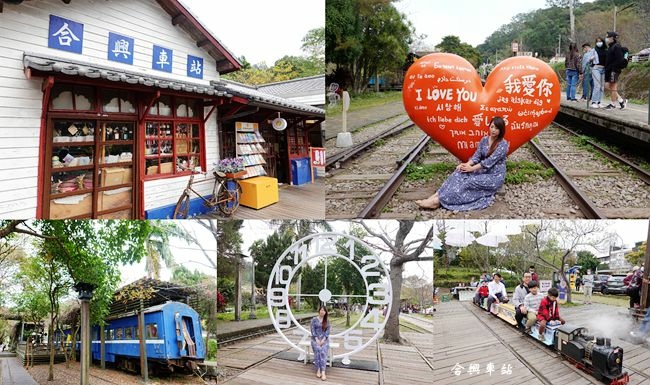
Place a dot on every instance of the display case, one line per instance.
(87, 160)
(250, 147)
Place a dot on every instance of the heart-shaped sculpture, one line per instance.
(443, 96)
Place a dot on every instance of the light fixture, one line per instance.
(279, 124)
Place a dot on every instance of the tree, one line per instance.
(403, 251)
(587, 260)
(266, 252)
(229, 240)
(365, 38)
(314, 44)
(637, 257)
(157, 245)
(452, 44)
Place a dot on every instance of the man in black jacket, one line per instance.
(613, 67)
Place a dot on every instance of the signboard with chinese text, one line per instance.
(162, 59)
(317, 156)
(66, 35)
(194, 67)
(544, 285)
(120, 48)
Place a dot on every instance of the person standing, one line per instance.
(614, 64)
(598, 72)
(572, 65)
(587, 81)
(533, 275)
(588, 283)
(518, 299)
(320, 335)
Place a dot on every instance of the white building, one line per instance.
(104, 105)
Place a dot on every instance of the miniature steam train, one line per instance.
(594, 355)
(174, 339)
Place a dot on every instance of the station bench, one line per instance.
(307, 344)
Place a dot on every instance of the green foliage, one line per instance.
(524, 171)
(212, 350)
(452, 44)
(226, 287)
(365, 100)
(266, 252)
(364, 38)
(587, 260)
(637, 256)
(314, 44)
(428, 172)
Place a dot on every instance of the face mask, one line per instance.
(599, 44)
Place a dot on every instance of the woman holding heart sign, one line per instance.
(474, 183)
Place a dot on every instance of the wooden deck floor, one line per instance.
(296, 202)
(464, 335)
(400, 364)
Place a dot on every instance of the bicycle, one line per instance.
(227, 200)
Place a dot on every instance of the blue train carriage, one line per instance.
(174, 339)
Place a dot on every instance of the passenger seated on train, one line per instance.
(548, 310)
(531, 304)
(518, 298)
(481, 292)
(496, 292)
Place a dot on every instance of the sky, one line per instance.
(626, 232)
(471, 20)
(260, 30)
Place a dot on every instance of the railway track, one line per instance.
(557, 152)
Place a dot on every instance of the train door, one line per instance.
(189, 337)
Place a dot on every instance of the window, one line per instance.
(173, 142)
(152, 331)
(75, 98)
(119, 334)
(128, 333)
(111, 334)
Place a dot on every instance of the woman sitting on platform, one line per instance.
(320, 333)
(474, 183)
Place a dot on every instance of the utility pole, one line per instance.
(252, 315)
(645, 287)
(85, 291)
(573, 21)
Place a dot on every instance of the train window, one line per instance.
(118, 334)
(111, 334)
(152, 331)
(137, 333)
(128, 333)
(106, 334)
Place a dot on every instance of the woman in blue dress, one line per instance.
(474, 183)
(320, 344)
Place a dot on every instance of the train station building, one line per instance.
(105, 106)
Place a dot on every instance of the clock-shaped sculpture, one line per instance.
(323, 249)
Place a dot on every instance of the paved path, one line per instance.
(232, 326)
(13, 373)
(360, 118)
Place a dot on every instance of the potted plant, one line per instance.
(232, 167)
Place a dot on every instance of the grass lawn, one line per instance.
(610, 299)
(368, 99)
(260, 312)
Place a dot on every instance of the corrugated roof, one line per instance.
(259, 97)
(312, 85)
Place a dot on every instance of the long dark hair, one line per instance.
(324, 323)
(501, 125)
(601, 40)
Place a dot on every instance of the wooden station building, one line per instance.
(105, 104)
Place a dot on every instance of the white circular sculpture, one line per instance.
(327, 246)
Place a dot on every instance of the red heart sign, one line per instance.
(443, 95)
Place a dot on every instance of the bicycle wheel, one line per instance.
(230, 199)
(182, 207)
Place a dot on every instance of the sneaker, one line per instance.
(623, 103)
(595, 105)
(541, 337)
(610, 107)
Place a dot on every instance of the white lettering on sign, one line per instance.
(369, 266)
(121, 47)
(371, 320)
(163, 59)
(352, 339)
(378, 290)
(65, 35)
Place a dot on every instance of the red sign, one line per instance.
(317, 156)
(443, 96)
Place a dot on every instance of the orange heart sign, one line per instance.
(443, 96)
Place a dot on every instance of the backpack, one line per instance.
(626, 57)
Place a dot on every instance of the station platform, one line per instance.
(631, 122)
(360, 118)
(13, 373)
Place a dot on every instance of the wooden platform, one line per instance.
(466, 335)
(13, 373)
(306, 201)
